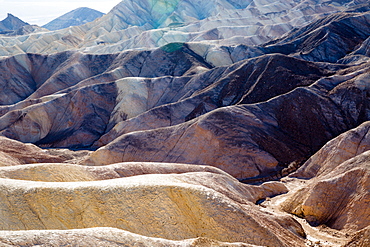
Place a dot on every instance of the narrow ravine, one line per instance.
(316, 236)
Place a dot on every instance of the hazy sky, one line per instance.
(41, 12)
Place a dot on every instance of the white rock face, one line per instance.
(132, 98)
(132, 24)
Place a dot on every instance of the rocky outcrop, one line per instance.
(133, 24)
(360, 55)
(191, 184)
(346, 146)
(194, 174)
(28, 29)
(73, 77)
(35, 76)
(37, 114)
(154, 100)
(160, 138)
(81, 117)
(249, 81)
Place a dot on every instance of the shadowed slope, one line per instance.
(252, 140)
(338, 193)
(328, 39)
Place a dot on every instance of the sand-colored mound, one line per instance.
(206, 176)
(102, 237)
(361, 239)
(167, 206)
(62, 172)
(338, 194)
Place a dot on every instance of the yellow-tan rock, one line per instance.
(102, 237)
(57, 172)
(340, 199)
(171, 206)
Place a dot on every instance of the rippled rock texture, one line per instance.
(141, 199)
(162, 125)
(143, 24)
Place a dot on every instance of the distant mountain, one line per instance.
(11, 23)
(76, 17)
(145, 24)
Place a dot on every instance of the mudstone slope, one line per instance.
(244, 124)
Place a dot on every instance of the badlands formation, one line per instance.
(188, 123)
